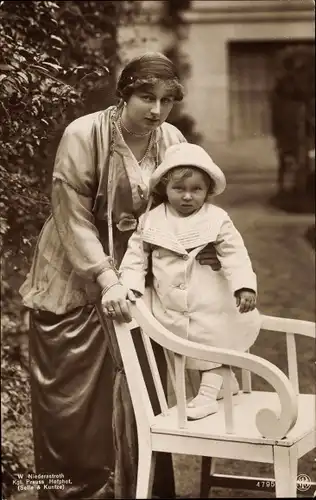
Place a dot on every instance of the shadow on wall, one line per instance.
(244, 154)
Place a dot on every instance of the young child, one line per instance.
(216, 308)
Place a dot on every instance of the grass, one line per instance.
(286, 278)
(287, 288)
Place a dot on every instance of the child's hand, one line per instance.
(246, 300)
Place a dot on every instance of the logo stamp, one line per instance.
(304, 482)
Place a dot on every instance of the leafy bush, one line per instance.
(57, 62)
(293, 122)
(57, 57)
(17, 444)
(172, 20)
(311, 236)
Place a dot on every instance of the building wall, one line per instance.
(212, 26)
(145, 34)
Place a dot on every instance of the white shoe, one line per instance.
(205, 403)
(197, 412)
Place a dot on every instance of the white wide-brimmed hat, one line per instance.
(189, 155)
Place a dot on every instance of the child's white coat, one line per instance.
(188, 298)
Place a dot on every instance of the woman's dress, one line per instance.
(83, 421)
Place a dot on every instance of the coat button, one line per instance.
(186, 313)
(182, 286)
(185, 257)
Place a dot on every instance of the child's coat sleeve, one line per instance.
(234, 258)
(134, 265)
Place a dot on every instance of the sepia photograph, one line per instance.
(157, 239)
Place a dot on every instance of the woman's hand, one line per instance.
(208, 257)
(245, 300)
(115, 303)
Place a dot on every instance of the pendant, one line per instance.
(141, 192)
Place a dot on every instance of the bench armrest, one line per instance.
(269, 424)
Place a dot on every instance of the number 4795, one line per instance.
(265, 484)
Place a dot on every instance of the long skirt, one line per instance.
(83, 420)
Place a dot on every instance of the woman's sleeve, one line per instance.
(181, 136)
(170, 135)
(234, 258)
(74, 183)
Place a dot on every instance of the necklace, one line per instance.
(149, 145)
(141, 188)
(144, 134)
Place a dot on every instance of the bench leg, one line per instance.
(285, 471)
(145, 471)
(208, 467)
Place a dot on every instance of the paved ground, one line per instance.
(285, 266)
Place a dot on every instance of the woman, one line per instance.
(100, 188)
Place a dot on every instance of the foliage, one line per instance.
(17, 446)
(173, 21)
(57, 58)
(173, 12)
(57, 61)
(293, 123)
(311, 236)
(295, 76)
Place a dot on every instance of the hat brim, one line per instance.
(212, 170)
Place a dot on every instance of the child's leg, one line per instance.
(205, 402)
(234, 382)
(233, 385)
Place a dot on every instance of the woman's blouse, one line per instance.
(72, 249)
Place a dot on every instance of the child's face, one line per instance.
(186, 195)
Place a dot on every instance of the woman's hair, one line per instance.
(178, 173)
(145, 71)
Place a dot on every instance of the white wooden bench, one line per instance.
(276, 427)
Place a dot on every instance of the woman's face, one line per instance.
(148, 108)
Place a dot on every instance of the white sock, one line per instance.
(208, 391)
